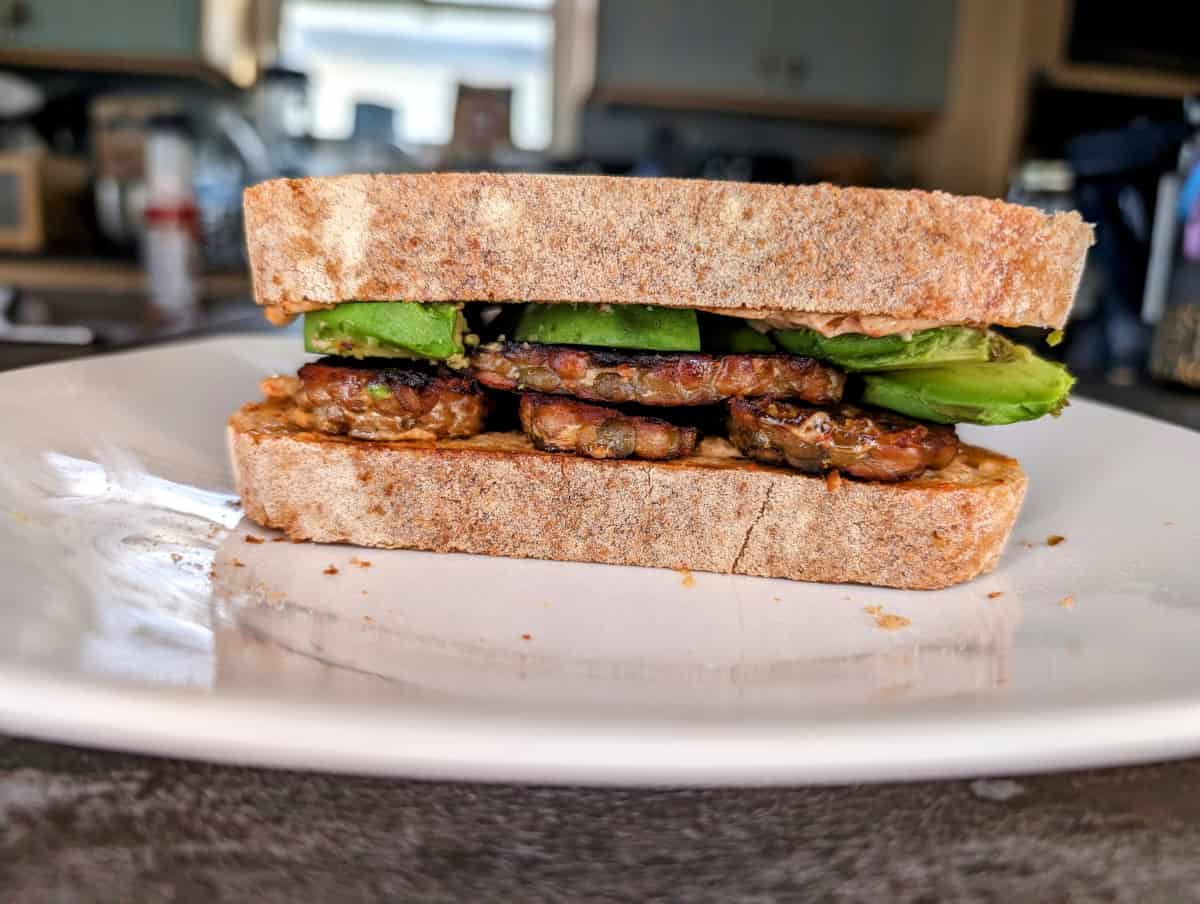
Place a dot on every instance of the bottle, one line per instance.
(171, 235)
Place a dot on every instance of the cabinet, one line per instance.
(205, 38)
(851, 59)
(165, 28)
(863, 53)
(683, 45)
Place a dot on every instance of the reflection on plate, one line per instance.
(436, 627)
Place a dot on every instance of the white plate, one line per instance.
(128, 622)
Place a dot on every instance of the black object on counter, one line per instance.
(1116, 181)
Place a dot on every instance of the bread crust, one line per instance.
(494, 494)
(670, 242)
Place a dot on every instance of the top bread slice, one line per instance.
(671, 242)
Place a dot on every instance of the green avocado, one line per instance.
(1015, 386)
(731, 336)
(855, 352)
(378, 329)
(636, 326)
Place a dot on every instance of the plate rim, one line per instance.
(249, 728)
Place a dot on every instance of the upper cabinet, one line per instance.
(865, 53)
(683, 45)
(851, 59)
(165, 28)
(189, 37)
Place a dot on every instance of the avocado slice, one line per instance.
(635, 326)
(855, 352)
(378, 329)
(1016, 385)
(731, 336)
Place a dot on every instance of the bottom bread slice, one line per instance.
(494, 494)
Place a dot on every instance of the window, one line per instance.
(411, 56)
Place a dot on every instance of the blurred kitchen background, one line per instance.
(128, 130)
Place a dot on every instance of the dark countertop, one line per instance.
(235, 315)
(80, 825)
(1171, 402)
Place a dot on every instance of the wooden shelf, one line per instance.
(104, 277)
(813, 111)
(136, 64)
(1122, 80)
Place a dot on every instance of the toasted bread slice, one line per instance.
(678, 243)
(494, 494)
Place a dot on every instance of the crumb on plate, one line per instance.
(332, 569)
(250, 538)
(995, 594)
(1054, 539)
(888, 621)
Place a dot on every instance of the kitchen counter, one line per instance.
(1166, 401)
(234, 315)
(108, 297)
(81, 825)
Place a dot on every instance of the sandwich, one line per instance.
(735, 378)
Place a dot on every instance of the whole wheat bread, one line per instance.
(494, 494)
(671, 242)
